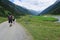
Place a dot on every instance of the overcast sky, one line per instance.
(37, 5)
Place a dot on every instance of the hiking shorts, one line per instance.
(10, 21)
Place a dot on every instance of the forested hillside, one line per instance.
(53, 9)
(8, 7)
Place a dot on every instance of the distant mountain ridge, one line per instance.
(53, 9)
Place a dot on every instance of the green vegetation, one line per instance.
(40, 28)
(2, 19)
(43, 18)
(52, 10)
(56, 9)
(8, 7)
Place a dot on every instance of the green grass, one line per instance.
(2, 19)
(41, 28)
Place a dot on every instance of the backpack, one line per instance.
(10, 16)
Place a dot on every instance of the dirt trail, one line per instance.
(16, 32)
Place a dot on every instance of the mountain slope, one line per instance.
(15, 9)
(53, 9)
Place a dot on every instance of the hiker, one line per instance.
(10, 19)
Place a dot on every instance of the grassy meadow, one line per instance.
(41, 27)
(2, 19)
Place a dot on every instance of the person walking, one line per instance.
(10, 19)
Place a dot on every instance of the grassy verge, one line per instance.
(2, 19)
(41, 27)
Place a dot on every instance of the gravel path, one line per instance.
(16, 32)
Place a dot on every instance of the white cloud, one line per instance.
(37, 5)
